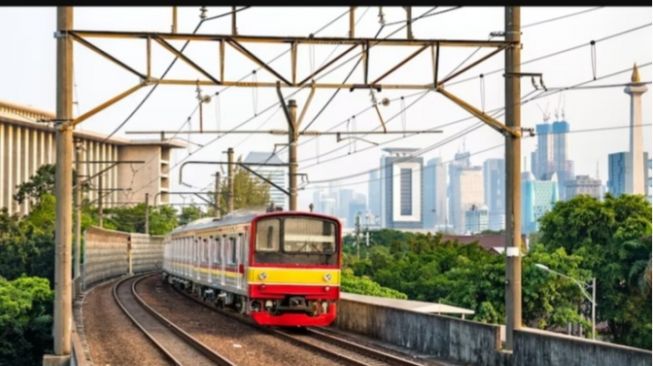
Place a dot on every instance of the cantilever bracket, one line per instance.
(503, 129)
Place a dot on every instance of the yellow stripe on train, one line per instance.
(318, 276)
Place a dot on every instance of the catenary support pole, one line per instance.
(78, 213)
(63, 309)
(147, 213)
(293, 136)
(230, 179)
(216, 195)
(513, 171)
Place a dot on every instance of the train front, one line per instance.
(294, 269)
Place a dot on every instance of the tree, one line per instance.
(163, 219)
(613, 237)
(25, 320)
(40, 183)
(249, 192)
(189, 214)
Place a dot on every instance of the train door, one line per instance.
(239, 259)
(209, 260)
(223, 259)
(196, 266)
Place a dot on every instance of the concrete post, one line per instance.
(230, 179)
(513, 175)
(63, 309)
(593, 307)
(100, 205)
(293, 135)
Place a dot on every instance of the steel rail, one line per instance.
(368, 352)
(176, 330)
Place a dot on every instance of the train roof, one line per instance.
(240, 218)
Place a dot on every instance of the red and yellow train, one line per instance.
(279, 268)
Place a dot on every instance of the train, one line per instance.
(278, 268)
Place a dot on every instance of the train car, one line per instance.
(279, 268)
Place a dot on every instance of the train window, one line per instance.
(205, 257)
(233, 247)
(267, 235)
(309, 236)
(216, 249)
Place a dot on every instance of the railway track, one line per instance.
(340, 350)
(179, 347)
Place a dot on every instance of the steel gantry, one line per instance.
(65, 120)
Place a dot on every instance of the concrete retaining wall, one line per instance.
(441, 336)
(109, 253)
(536, 347)
(147, 252)
(105, 255)
(476, 343)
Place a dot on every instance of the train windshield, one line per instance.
(301, 240)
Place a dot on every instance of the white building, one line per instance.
(275, 174)
(401, 189)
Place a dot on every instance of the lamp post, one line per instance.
(581, 285)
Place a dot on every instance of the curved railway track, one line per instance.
(179, 347)
(340, 350)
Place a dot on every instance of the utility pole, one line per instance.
(147, 213)
(78, 214)
(293, 136)
(63, 305)
(513, 170)
(230, 180)
(216, 195)
(100, 205)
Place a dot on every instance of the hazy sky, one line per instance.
(27, 76)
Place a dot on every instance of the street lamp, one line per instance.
(580, 285)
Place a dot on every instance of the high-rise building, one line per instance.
(374, 195)
(275, 174)
(345, 196)
(494, 187)
(538, 197)
(618, 169)
(635, 179)
(465, 190)
(401, 189)
(583, 184)
(542, 159)
(476, 220)
(563, 168)
(354, 208)
(435, 194)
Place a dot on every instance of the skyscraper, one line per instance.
(356, 207)
(401, 189)
(494, 187)
(563, 168)
(345, 196)
(618, 169)
(435, 194)
(476, 219)
(277, 175)
(635, 178)
(538, 197)
(374, 194)
(583, 184)
(465, 190)
(542, 159)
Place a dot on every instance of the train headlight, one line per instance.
(262, 276)
(327, 277)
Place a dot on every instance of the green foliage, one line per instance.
(613, 238)
(25, 320)
(163, 219)
(365, 286)
(189, 214)
(426, 268)
(38, 184)
(249, 192)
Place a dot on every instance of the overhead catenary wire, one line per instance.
(523, 101)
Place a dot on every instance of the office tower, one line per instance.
(435, 194)
(494, 187)
(476, 219)
(401, 189)
(277, 174)
(583, 184)
(538, 197)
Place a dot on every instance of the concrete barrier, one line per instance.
(109, 253)
(146, 252)
(105, 255)
(440, 336)
(537, 347)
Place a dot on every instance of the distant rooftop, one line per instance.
(33, 118)
(262, 157)
(393, 150)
